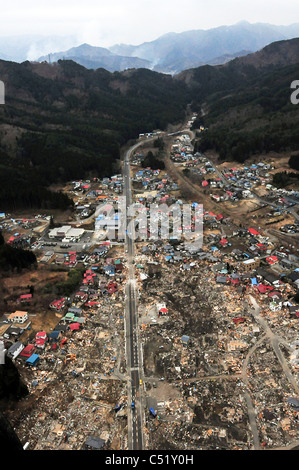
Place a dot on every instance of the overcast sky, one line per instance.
(105, 23)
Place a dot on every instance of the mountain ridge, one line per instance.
(93, 57)
(172, 52)
(203, 46)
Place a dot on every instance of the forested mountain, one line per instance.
(247, 102)
(175, 52)
(62, 121)
(97, 57)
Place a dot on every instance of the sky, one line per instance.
(105, 23)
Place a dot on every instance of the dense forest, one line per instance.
(153, 161)
(63, 122)
(14, 258)
(254, 119)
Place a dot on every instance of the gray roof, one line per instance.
(94, 442)
(294, 402)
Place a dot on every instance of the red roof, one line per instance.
(239, 320)
(273, 294)
(272, 259)
(26, 296)
(263, 289)
(28, 350)
(253, 231)
(75, 326)
(41, 335)
(40, 342)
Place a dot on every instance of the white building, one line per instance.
(75, 233)
(59, 232)
(66, 233)
(15, 349)
(18, 317)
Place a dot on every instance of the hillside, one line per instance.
(62, 122)
(207, 80)
(247, 102)
(175, 52)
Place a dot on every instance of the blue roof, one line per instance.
(185, 338)
(33, 359)
(54, 334)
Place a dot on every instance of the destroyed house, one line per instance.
(61, 327)
(54, 335)
(93, 443)
(294, 310)
(294, 276)
(221, 280)
(75, 310)
(294, 403)
(109, 270)
(13, 331)
(185, 340)
(268, 276)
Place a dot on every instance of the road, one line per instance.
(134, 357)
(275, 343)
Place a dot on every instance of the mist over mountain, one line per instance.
(97, 57)
(29, 47)
(170, 53)
(175, 52)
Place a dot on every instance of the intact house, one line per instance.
(18, 317)
(251, 264)
(58, 305)
(15, 350)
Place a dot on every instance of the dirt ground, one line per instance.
(41, 317)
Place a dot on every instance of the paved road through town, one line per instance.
(134, 361)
